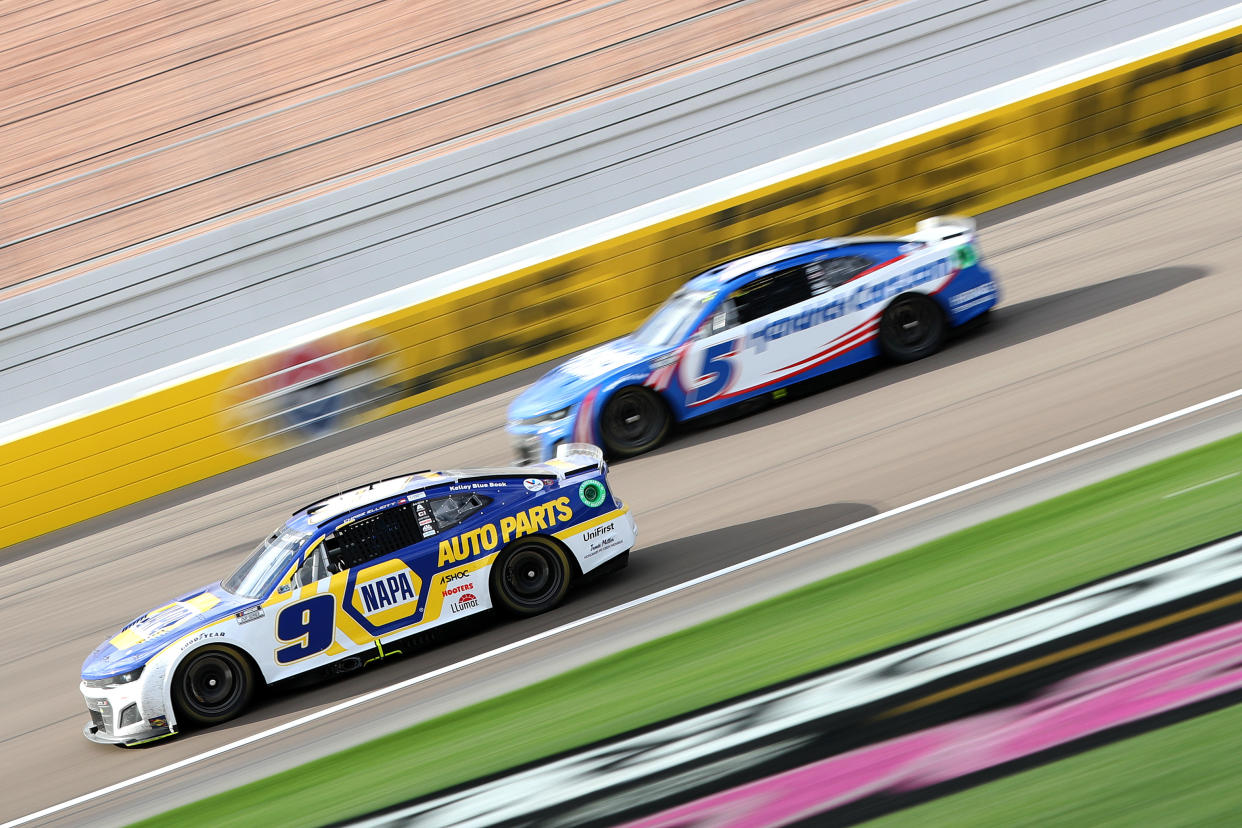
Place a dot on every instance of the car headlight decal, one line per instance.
(113, 681)
(544, 419)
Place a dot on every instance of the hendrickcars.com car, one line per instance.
(754, 326)
(349, 576)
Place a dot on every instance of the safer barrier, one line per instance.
(69, 471)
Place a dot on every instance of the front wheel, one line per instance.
(530, 576)
(911, 328)
(634, 420)
(212, 685)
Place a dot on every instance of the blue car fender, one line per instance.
(586, 422)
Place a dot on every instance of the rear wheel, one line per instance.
(530, 576)
(911, 328)
(634, 420)
(212, 685)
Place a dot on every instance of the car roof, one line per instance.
(731, 271)
(370, 494)
(378, 491)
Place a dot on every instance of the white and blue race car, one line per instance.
(349, 578)
(754, 326)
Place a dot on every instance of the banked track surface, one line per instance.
(1121, 303)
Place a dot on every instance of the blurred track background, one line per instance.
(126, 122)
(1096, 333)
(374, 171)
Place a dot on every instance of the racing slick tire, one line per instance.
(634, 420)
(531, 575)
(212, 685)
(911, 327)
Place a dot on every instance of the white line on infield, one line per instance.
(646, 599)
(1199, 485)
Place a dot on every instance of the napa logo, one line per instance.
(386, 592)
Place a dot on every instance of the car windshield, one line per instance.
(671, 323)
(253, 579)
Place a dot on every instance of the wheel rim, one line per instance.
(532, 576)
(910, 325)
(633, 420)
(213, 684)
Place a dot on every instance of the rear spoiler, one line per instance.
(943, 228)
(575, 458)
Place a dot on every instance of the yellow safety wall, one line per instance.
(188, 432)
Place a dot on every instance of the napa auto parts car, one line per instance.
(349, 576)
(755, 326)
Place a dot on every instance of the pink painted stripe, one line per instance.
(1123, 692)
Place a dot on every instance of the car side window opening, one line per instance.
(770, 293)
(371, 537)
(826, 274)
(452, 510)
(313, 568)
(723, 318)
(375, 536)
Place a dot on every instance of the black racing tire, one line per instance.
(911, 327)
(531, 575)
(212, 685)
(634, 420)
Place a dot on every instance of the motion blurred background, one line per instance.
(248, 249)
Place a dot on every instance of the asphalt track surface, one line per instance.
(1122, 302)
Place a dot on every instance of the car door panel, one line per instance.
(836, 325)
(731, 364)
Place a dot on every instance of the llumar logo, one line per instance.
(465, 602)
(488, 537)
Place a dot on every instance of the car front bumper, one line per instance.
(537, 443)
(121, 715)
(139, 737)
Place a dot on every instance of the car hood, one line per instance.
(569, 382)
(150, 632)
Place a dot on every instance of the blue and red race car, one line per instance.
(757, 325)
